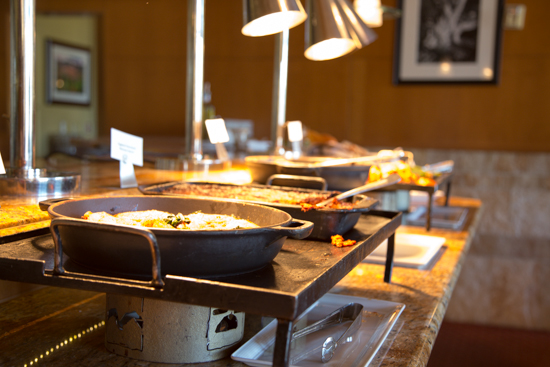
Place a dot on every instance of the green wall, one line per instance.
(54, 119)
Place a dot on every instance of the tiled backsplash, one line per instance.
(505, 280)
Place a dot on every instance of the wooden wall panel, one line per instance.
(143, 81)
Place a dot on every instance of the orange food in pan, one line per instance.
(408, 175)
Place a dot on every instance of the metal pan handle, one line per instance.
(45, 204)
(297, 232)
(147, 234)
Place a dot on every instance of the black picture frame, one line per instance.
(68, 74)
(448, 41)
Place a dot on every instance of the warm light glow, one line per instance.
(370, 11)
(357, 32)
(445, 68)
(330, 49)
(295, 132)
(232, 176)
(217, 132)
(273, 23)
(338, 19)
(488, 73)
(65, 342)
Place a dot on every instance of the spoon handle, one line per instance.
(388, 181)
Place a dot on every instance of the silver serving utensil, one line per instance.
(350, 312)
(388, 181)
(329, 346)
(440, 167)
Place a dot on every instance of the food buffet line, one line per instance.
(65, 323)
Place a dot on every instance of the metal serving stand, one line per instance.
(302, 273)
(442, 181)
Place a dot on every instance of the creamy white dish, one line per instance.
(196, 221)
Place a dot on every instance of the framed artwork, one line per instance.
(448, 41)
(68, 74)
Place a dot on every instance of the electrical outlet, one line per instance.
(514, 16)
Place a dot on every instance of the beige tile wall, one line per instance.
(505, 280)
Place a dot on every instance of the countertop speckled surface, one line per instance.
(64, 327)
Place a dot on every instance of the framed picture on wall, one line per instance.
(448, 41)
(68, 74)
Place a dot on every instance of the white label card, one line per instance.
(217, 132)
(127, 175)
(2, 168)
(295, 132)
(126, 147)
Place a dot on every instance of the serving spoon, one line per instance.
(388, 181)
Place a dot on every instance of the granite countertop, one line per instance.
(65, 327)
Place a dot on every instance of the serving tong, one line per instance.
(350, 312)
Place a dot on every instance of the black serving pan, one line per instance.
(117, 250)
(343, 178)
(327, 221)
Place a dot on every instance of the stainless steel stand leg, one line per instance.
(389, 259)
(281, 353)
(280, 82)
(195, 79)
(447, 193)
(429, 212)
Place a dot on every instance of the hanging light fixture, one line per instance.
(262, 17)
(333, 29)
(327, 36)
(370, 11)
(361, 34)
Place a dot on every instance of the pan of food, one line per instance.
(338, 177)
(194, 237)
(339, 173)
(337, 217)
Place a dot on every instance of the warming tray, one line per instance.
(327, 222)
(300, 274)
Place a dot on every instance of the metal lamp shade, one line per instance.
(370, 11)
(360, 32)
(327, 35)
(263, 17)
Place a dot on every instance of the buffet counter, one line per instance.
(65, 327)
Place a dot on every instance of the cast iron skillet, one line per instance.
(124, 250)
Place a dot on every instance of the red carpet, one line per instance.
(474, 345)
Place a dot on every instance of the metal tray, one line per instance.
(327, 222)
(449, 217)
(377, 320)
